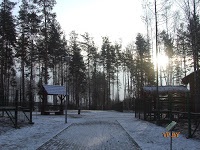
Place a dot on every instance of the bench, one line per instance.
(57, 112)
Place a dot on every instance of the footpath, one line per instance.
(92, 130)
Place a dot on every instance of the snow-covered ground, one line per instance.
(147, 135)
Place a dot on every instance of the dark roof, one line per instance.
(187, 79)
(165, 89)
(54, 89)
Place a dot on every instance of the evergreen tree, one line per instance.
(7, 45)
(107, 60)
(34, 25)
(23, 42)
(88, 47)
(95, 79)
(99, 83)
(28, 26)
(129, 68)
(117, 66)
(141, 46)
(168, 49)
(146, 68)
(183, 49)
(47, 15)
(77, 70)
(57, 52)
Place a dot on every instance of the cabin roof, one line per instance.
(54, 90)
(187, 79)
(166, 89)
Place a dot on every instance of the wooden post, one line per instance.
(157, 92)
(171, 140)
(189, 116)
(16, 109)
(170, 106)
(31, 107)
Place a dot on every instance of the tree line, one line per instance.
(34, 51)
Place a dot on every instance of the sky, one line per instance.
(117, 19)
(120, 20)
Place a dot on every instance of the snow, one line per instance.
(166, 89)
(145, 134)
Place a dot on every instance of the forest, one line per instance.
(34, 51)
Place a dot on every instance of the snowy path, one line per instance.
(94, 129)
(92, 135)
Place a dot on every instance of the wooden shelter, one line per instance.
(171, 101)
(53, 90)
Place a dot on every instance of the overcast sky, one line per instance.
(113, 18)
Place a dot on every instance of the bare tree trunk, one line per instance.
(117, 83)
(89, 90)
(124, 76)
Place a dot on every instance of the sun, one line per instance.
(162, 60)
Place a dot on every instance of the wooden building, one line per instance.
(52, 90)
(171, 101)
(195, 94)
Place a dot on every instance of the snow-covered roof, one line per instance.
(55, 89)
(166, 89)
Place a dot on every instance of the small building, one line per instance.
(171, 99)
(195, 96)
(52, 90)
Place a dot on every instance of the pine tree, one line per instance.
(57, 52)
(141, 47)
(47, 15)
(77, 70)
(23, 42)
(87, 46)
(168, 49)
(34, 25)
(117, 66)
(183, 49)
(94, 79)
(107, 61)
(7, 45)
(146, 68)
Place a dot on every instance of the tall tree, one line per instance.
(23, 42)
(7, 44)
(107, 60)
(57, 52)
(146, 68)
(168, 49)
(34, 25)
(141, 47)
(88, 47)
(77, 69)
(47, 15)
(103, 62)
(117, 66)
(192, 18)
(95, 92)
